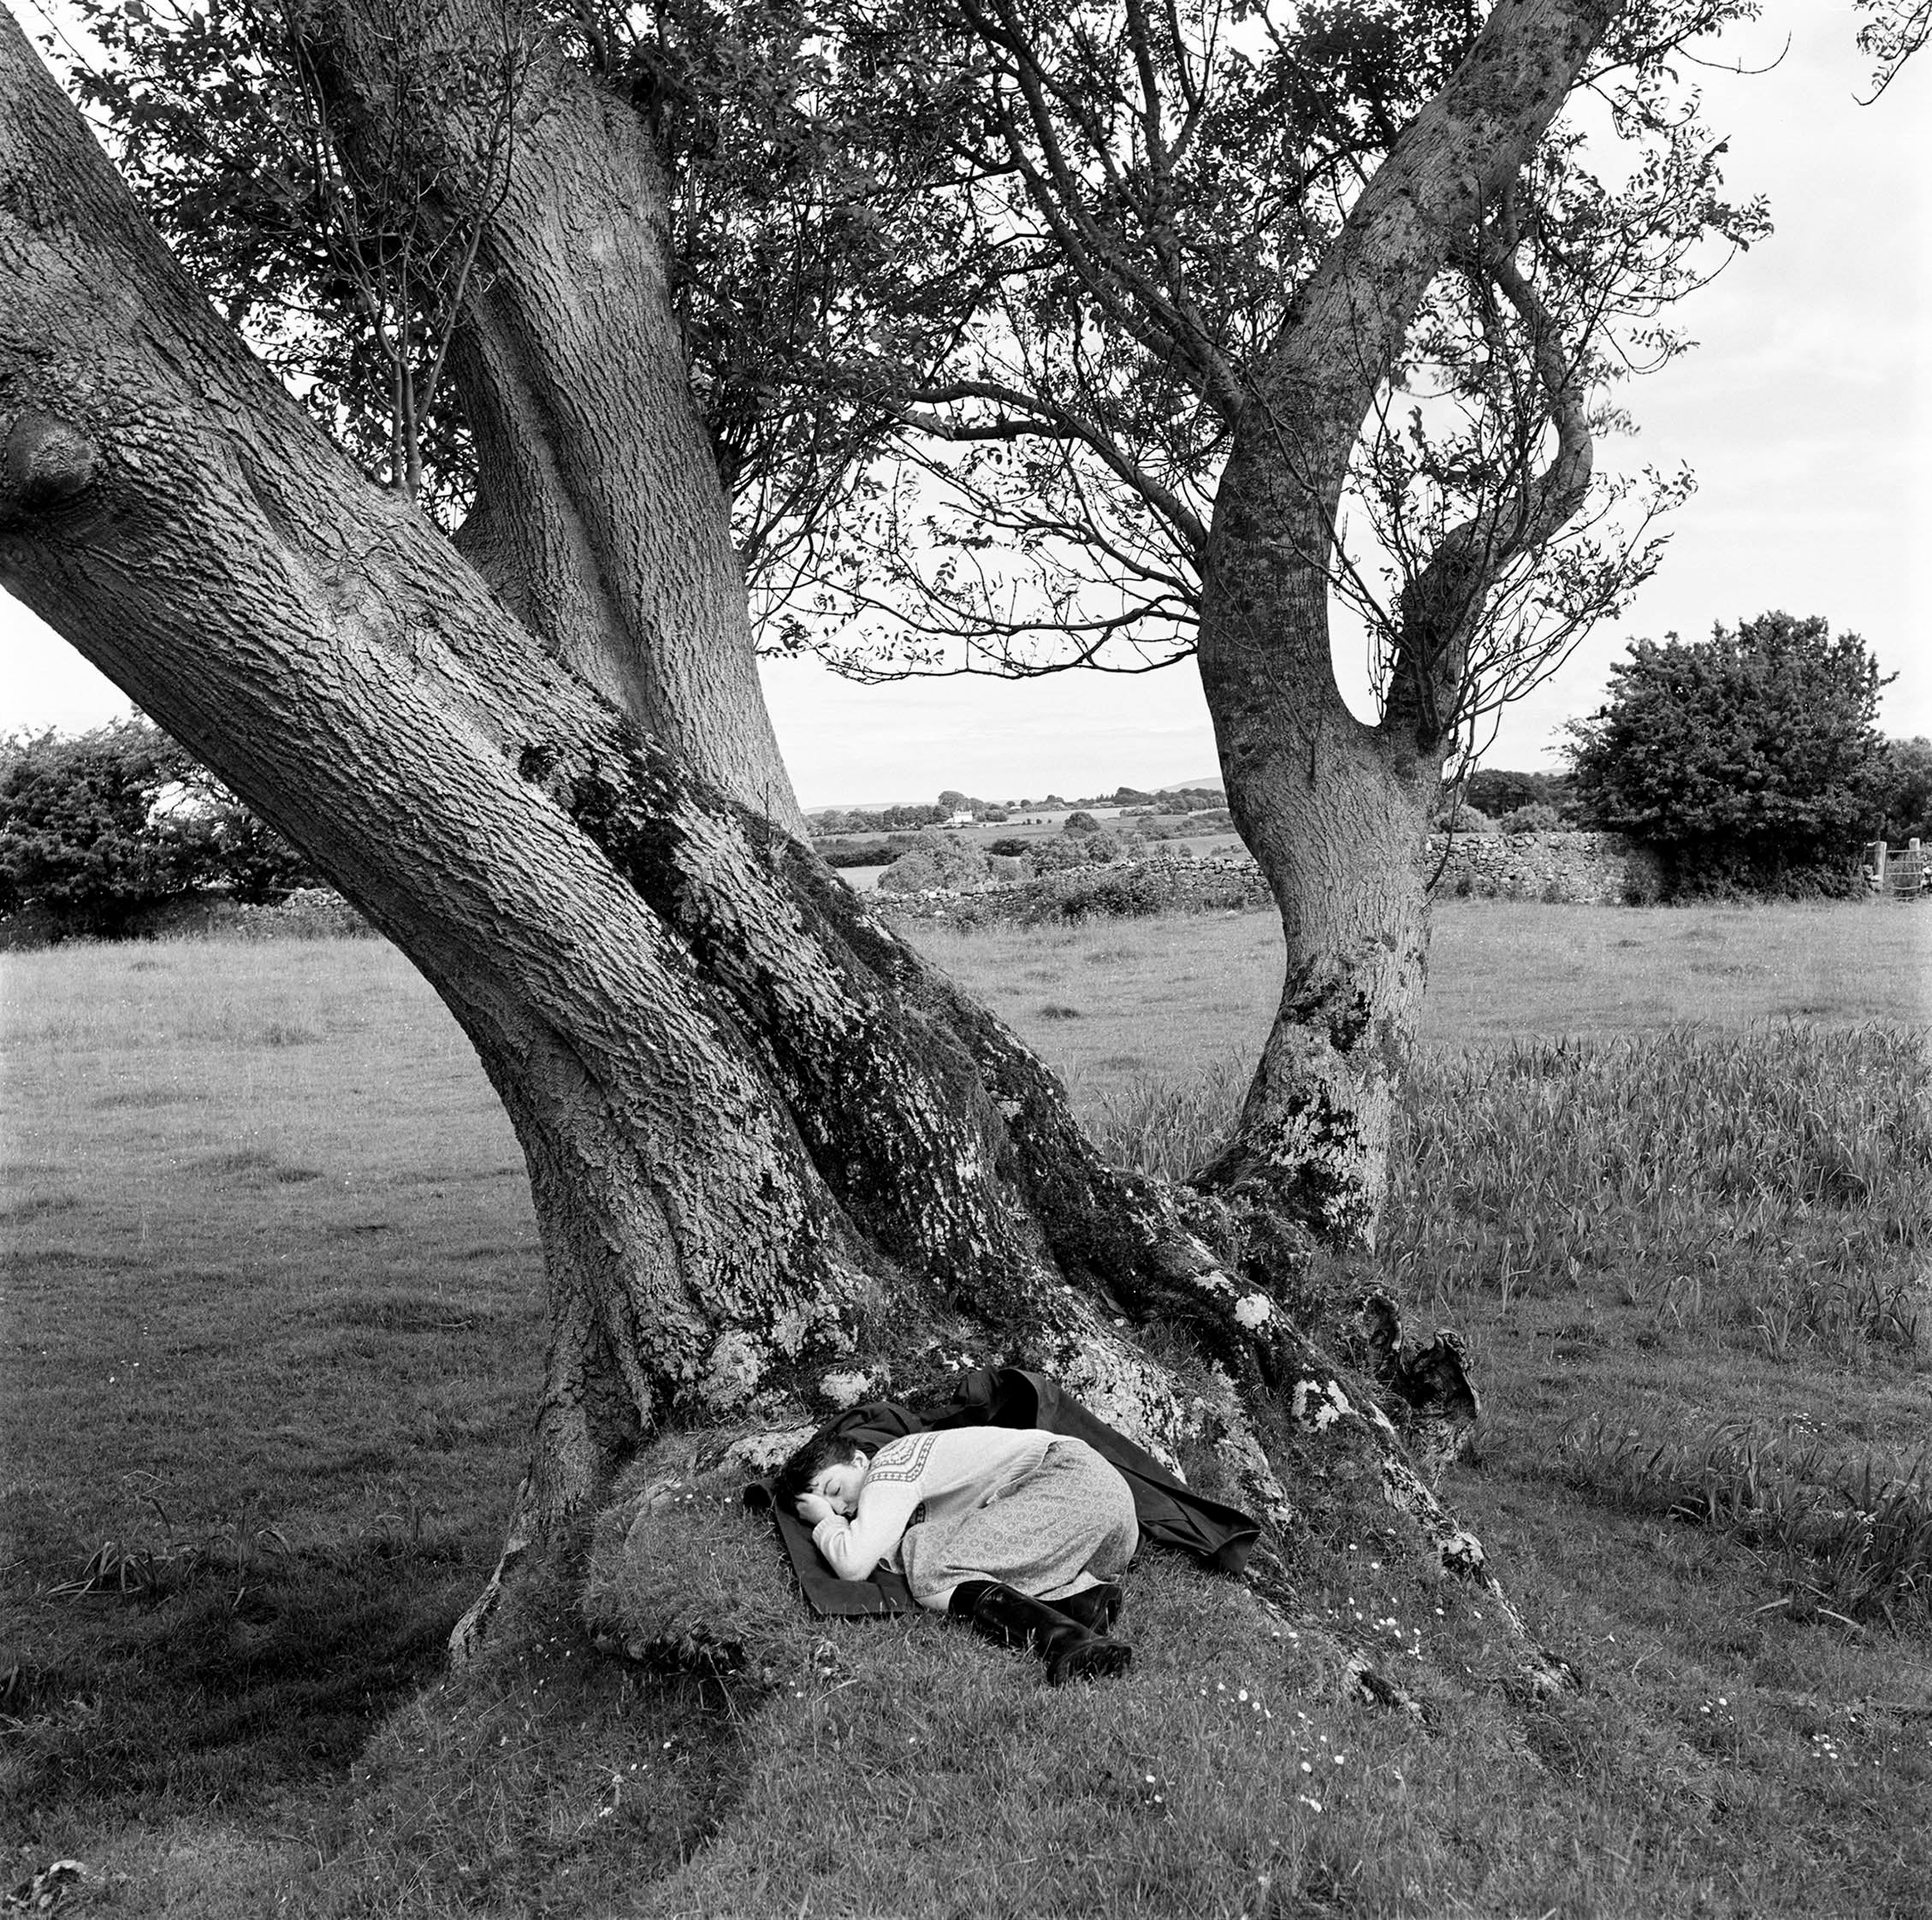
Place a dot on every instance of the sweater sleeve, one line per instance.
(852, 1548)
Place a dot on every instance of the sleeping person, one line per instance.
(1021, 1533)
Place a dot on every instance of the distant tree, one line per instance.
(1467, 820)
(75, 838)
(1538, 817)
(936, 860)
(1908, 799)
(1079, 822)
(98, 827)
(1498, 792)
(103, 825)
(1751, 756)
(911, 815)
(233, 849)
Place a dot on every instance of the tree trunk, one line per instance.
(763, 1135)
(598, 516)
(1334, 810)
(1337, 821)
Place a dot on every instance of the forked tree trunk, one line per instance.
(1335, 810)
(1337, 822)
(595, 516)
(763, 1135)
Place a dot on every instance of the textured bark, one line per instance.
(597, 516)
(766, 1140)
(1337, 823)
(1334, 809)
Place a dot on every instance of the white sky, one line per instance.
(1806, 412)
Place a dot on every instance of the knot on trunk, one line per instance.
(1430, 1386)
(45, 463)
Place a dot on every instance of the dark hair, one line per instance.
(827, 1447)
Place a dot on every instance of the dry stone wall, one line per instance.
(1585, 869)
(1117, 888)
(1595, 869)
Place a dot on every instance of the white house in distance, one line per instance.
(960, 820)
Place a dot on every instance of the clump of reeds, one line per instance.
(1771, 1181)
(1852, 1541)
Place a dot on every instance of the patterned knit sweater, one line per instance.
(925, 1476)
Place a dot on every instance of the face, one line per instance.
(840, 1484)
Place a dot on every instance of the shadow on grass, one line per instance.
(229, 1674)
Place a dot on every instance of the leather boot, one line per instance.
(1095, 1608)
(1014, 1619)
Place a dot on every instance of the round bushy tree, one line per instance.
(1499, 791)
(1751, 757)
(82, 836)
(936, 860)
(98, 827)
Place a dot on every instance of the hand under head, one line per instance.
(837, 1486)
(828, 1472)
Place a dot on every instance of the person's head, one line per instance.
(829, 1464)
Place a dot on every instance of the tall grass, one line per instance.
(1773, 1181)
(1169, 1127)
(1853, 1542)
(1773, 1185)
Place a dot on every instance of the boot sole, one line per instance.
(1098, 1660)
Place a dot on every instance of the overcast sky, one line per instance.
(1806, 412)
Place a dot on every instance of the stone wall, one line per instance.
(1591, 869)
(1118, 889)
(1600, 869)
(1594, 869)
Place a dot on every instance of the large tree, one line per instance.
(763, 1135)
(1021, 339)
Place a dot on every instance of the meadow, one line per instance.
(270, 1314)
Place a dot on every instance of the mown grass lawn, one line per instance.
(271, 1313)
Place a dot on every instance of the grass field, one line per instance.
(270, 1317)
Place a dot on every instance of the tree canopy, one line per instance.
(972, 293)
(1908, 798)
